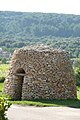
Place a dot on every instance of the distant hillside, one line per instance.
(18, 29)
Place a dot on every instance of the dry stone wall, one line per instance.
(40, 73)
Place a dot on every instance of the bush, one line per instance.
(4, 60)
(2, 79)
(77, 76)
(76, 67)
(4, 105)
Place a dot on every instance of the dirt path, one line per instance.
(42, 113)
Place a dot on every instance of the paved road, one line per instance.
(42, 113)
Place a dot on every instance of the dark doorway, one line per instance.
(19, 77)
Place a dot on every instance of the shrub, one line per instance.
(76, 67)
(4, 105)
(2, 79)
(77, 76)
(4, 60)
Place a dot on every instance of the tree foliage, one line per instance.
(19, 29)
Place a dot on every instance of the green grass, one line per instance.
(3, 70)
(48, 103)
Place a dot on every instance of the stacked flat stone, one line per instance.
(48, 74)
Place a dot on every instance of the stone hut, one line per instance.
(40, 72)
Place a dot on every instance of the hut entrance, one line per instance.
(20, 73)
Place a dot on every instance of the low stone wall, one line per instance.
(47, 72)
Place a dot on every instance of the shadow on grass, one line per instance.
(69, 103)
(49, 103)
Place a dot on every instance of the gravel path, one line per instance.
(16, 112)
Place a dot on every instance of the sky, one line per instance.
(46, 6)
